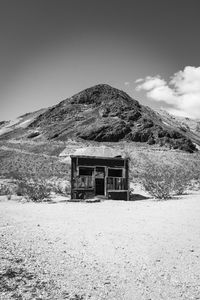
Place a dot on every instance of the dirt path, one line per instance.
(110, 250)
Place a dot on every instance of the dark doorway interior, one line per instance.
(99, 185)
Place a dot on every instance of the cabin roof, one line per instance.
(99, 157)
(90, 151)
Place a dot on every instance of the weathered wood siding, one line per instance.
(84, 186)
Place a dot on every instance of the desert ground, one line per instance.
(110, 250)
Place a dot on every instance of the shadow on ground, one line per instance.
(138, 197)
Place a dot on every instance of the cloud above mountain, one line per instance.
(181, 93)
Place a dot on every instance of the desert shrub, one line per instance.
(21, 187)
(37, 192)
(33, 189)
(162, 181)
(194, 184)
(57, 188)
(5, 190)
(61, 189)
(67, 190)
(181, 179)
(157, 181)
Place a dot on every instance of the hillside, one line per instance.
(103, 114)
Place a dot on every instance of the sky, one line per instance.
(52, 49)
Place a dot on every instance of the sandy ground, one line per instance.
(110, 250)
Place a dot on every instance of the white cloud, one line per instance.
(150, 83)
(187, 81)
(138, 80)
(127, 83)
(164, 93)
(182, 92)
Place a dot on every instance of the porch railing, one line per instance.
(85, 182)
(116, 183)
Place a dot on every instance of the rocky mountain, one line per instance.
(104, 114)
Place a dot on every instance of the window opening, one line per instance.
(85, 171)
(114, 172)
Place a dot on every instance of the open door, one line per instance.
(100, 181)
(99, 186)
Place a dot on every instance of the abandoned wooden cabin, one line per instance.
(99, 176)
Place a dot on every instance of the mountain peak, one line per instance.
(98, 94)
(103, 113)
(102, 87)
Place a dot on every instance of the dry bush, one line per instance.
(61, 190)
(157, 181)
(162, 181)
(181, 178)
(59, 186)
(194, 184)
(36, 190)
(5, 190)
(185, 165)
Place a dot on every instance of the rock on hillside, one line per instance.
(103, 113)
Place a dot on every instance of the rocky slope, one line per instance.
(103, 113)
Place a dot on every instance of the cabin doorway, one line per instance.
(99, 186)
(100, 181)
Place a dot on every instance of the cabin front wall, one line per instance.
(103, 177)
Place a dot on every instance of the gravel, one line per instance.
(111, 250)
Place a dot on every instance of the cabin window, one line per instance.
(85, 171)
(114, 172)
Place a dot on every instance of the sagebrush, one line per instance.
(33, 189)
(162, 181)
(5, 190)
